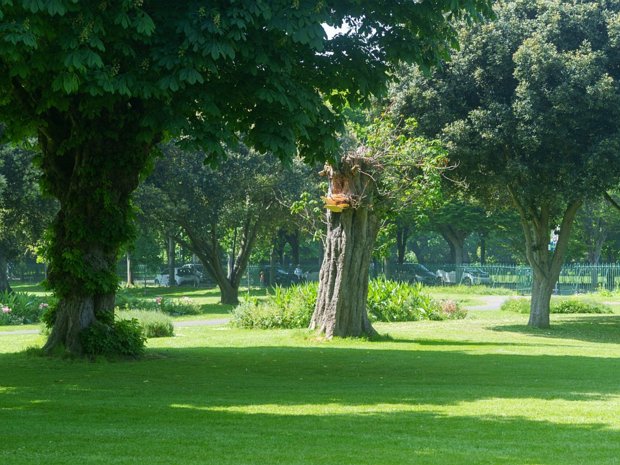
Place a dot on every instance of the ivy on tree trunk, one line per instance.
(93, 181)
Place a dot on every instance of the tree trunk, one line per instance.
(4, 276)
(483, 250)
(228, 278)
(542, 289)
(129, 271)
(229, 293)
(456, 240)
(546, 265)
(418, 251)
(171, 261)
(93, 181)
(343, 283)
(402, 234)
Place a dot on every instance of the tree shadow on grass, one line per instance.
(592, 328)
(304, 405)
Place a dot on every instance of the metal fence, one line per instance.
(574, 278)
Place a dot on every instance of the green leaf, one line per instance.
(123, 20)
(54, 7)
(70, 82)
(191, 76)
(144, 24)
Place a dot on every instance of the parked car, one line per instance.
(424, 275)
(189, 274)
(473, 275)
(186, 274)
(469, 276)
(281, 277)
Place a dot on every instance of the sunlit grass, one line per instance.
(484, 390)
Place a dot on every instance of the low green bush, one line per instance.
(287, 308)
(579, 306)
(516, 305)
(387, 301)
(17, 308)
(398, 301)
(565, 306)
(154, 323)
(124, 338)
(181, 306)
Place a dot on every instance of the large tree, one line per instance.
(531, 106)
(218, 213)
(100, 83)
(388, 168)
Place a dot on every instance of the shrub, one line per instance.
(562, 306)
(154, 323)
(18, 308)
(287, 308)
(448, 310)
(387, 301)
(516, 305)
(579, 306)
(122, 338)
(397, 301)
(181, 306)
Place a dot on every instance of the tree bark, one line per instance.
(171, 252)
(483, 250)
(402, 235)
(542, 289)
(351, 234)
(4, 276)
(93, 180)
(546, 265)
(456, 240)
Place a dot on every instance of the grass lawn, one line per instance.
(483, 390)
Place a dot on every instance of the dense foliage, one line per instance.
(24, 213)
(153, 323)
(530, 108)
(17, 308)
(120, 338)
(387, 301)
(100, 83)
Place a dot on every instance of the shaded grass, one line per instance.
(458, 392)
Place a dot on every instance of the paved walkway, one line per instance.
(491, 302)
(177, 324)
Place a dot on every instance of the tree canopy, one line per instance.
(531, 104)
(265, 69)
(100, 83)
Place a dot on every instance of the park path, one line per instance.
(177, 324)
(491, 302)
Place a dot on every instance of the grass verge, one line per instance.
(459, 392)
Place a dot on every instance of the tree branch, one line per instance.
(611, 200)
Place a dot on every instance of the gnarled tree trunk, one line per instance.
(351, 234)
(92, 179)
